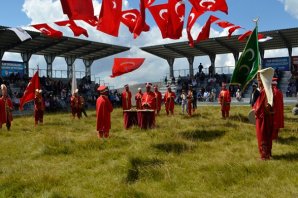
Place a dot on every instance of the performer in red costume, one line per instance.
(158, 97)
(146, 116)
(138, 98)
(264, 113)
(190, 99)
(224, 100)
(76, 105)
(169, 100)
(39, 106)
(103, 113)
(278, 106)
(6, 108)
(126, 98)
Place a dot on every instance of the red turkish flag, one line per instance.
(78, 9)
(225, 24)
(110, 17)
(77, 30)
(210, 5)
(160, 15)
(233, 29)
(125, 65)
(205, 32)
(247, 34)
(129, 18)
(193, 16)
(140, 20)
(176, 11)
(29, 93)
(47, 30)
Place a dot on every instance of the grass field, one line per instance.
(202, 156)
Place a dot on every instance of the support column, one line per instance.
(26, 58)
(212, 59)
(1, 56)
(290, 51)
(88, 64)
(171, 65)
(262, 53)
(69, 62)
(49, 60)
(236, 57)
(190, 61)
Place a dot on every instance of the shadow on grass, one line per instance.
(55, 146)
(239, 117)
(202, 135)
(147, 168)
(287, 140)
(173, 147)
(287, 157)
(290, 119)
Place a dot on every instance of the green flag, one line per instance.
(248, 63)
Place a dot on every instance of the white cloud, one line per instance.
(291, 7)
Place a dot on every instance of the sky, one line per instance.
(273, 14)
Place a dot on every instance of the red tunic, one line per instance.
(264, 125)
(278, 106)
(5, 110)
(190, 99)
(138, 99)
(126, 100)
(224, 99)
(38, 108)
(103, 114)
(158, 97)
(169, 100)
(76, 104)
(148, 100)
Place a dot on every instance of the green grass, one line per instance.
(201, 156)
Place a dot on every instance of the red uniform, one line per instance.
(39, 106)
(148, 100)
(278, 106)
(126, 100)
(76, 106)
(190, 99)
(5, 111)
(158, 98)
(169, 100)
(103, 115)
(224, 99)
(264, 125)
(138, 98)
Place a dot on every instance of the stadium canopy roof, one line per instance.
(64, 47)
(284, 38)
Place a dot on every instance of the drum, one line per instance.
(130, 118)
(146, 118)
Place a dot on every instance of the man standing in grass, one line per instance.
(169, 100)
(6, 108)
(264, 113)
(126, 98)
(224, 100)
(103, 113)
(138, 98)
(39, 106)
(158, 98)
(75, 104)
(190, 99)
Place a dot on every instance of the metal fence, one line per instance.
(219, 70)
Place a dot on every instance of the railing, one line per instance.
(219, 70)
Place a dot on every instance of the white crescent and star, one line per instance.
(114, 4)
(161, 12)
(252, 54)
(45, 31)
(192, 16)
(207, 1)
(128, 63)
(178, 4)
(134, 16)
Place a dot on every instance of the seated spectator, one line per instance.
(206, 96)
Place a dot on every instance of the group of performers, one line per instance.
(266, 101)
